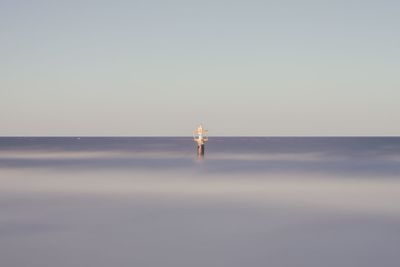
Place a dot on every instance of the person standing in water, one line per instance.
(200, 137)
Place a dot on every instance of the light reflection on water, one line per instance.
(359, 156)
(152, 202)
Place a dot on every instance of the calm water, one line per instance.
(151, 202)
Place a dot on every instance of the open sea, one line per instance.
(150, 201)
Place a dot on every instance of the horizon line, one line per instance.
(188, 136)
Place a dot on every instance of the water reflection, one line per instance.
(152, 202)
(359, 156)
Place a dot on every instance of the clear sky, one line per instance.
(161, 67)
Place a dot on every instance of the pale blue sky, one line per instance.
(161, 67)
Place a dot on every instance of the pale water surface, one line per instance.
(151, 202)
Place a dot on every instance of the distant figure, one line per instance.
(200, 137)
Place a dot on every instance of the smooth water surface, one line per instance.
(251, 201)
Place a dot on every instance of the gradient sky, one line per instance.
(161, 67)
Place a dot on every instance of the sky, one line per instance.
(159, 68)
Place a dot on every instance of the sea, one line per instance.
(151, 201)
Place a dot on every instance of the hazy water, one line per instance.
(152, 202)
